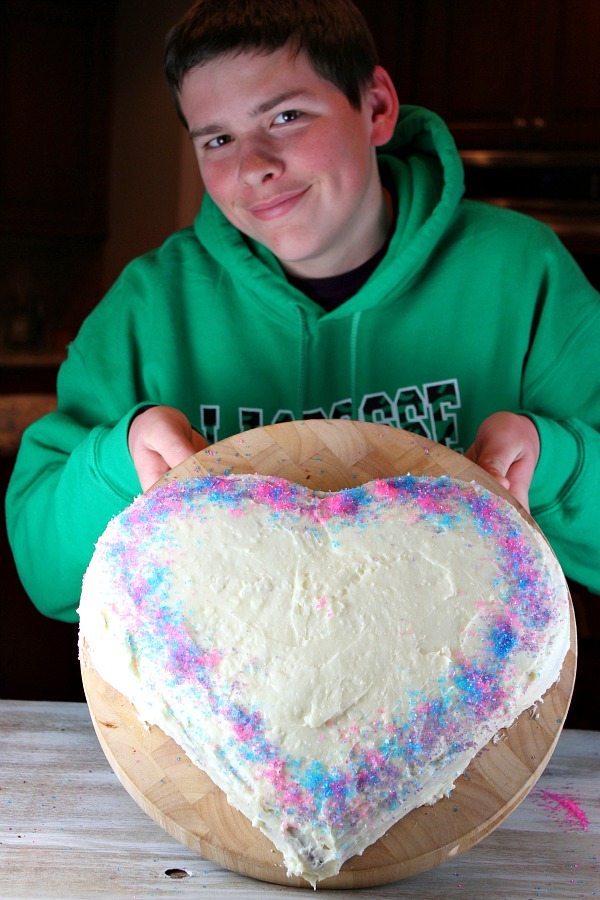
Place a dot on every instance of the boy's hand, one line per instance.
(508, 447)
(159, 438)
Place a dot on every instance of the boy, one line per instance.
(334, 270)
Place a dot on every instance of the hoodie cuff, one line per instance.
(559, 463)
(111, 459)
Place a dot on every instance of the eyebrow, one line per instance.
(267, 106)
(270, 104)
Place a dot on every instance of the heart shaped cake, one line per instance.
(330, 660)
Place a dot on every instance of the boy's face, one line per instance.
(288, 161)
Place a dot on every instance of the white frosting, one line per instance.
(331, 661)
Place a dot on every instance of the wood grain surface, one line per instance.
(329, 455)
(68, 830)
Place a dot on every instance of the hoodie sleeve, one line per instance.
(561, 394)
(73, 470)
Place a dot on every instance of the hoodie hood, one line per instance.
(422, 165)
(422, 169)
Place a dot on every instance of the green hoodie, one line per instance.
(472, 310)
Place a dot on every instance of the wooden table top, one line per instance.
(69, 830)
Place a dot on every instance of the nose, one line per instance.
(258, 162)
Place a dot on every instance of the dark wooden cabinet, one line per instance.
(55, 111)
(55, 76)
(55, 67)
(504, 74)
(518, 83)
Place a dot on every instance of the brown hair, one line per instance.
(333, 34)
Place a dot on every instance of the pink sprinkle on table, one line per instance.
(564, 807)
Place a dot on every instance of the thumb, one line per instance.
(494, 465)
(179, 447)
(198, 441)
(489, 460)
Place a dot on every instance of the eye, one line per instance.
(289, 115)
(220, 141)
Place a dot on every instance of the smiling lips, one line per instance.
(277, 206)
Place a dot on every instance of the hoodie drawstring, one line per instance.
(302, 365)
(354, 362)
(301, 386)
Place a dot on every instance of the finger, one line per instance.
(151, 469)
(154, 465)
(491, 464)
(471, 454)
(519, 479)
(198, 441)
(176, 449)
(495, 464)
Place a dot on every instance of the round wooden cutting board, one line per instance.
(329, 455)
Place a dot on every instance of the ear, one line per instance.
(382, 102)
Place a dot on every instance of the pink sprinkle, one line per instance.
(561, 805)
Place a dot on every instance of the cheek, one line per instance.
(350, 176)
(345, 155)
(216, 178)
(326, 163)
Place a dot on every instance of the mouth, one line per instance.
(277, 206)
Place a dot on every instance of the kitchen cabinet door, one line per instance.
(504, 74)
(54, 110)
